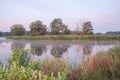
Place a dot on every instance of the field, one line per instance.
(65, 37)
(23, 66)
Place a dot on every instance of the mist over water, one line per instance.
(72, 51)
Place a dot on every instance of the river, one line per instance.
(72, 51)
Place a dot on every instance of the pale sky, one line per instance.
(104, 14)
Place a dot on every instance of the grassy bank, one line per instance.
(23, 66)
(65, 37)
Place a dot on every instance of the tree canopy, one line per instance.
(87, 28)
(17, 30)
(37, 28)
(58, 27)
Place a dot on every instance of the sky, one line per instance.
(104, 14)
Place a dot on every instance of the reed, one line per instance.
(65, 37)
(103, 66)
(23, 66)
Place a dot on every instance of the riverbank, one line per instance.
(65, 37)
(23, 66)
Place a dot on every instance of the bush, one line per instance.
(22, 66)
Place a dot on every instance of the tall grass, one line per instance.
(22, 66)
(103, 66)
(66, 37)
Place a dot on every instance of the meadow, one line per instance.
(65, 37)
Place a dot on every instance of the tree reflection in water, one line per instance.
(84, 51)
(87, 52)
(87, 49)
(58, 50)
(17, 45)
(39, 48)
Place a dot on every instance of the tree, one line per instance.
(58, 27)
(6, 33)
(113, 33)
(17, 30)
(37, 28)
(0, 33)
(66, 30)
(99, 33)
(87, 28)
(79, 27)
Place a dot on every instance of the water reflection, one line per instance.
(74, 52)
(39, 48)
(59, 49)
(17, 45)
(87, 49)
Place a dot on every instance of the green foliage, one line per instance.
(22, 66)
(20, 57)
(17, 30)
(66, 37)
(113, 33)
(87, 28)
(58, 27)
(115, 51)
(0, 33)
(37, 28)
(101, 67)
(22, 73)
(67, 31)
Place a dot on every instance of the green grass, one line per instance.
(65, 37)
(23, 66)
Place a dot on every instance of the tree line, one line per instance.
(57, 27)
(4, 33)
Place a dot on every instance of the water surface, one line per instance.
(72, 51)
